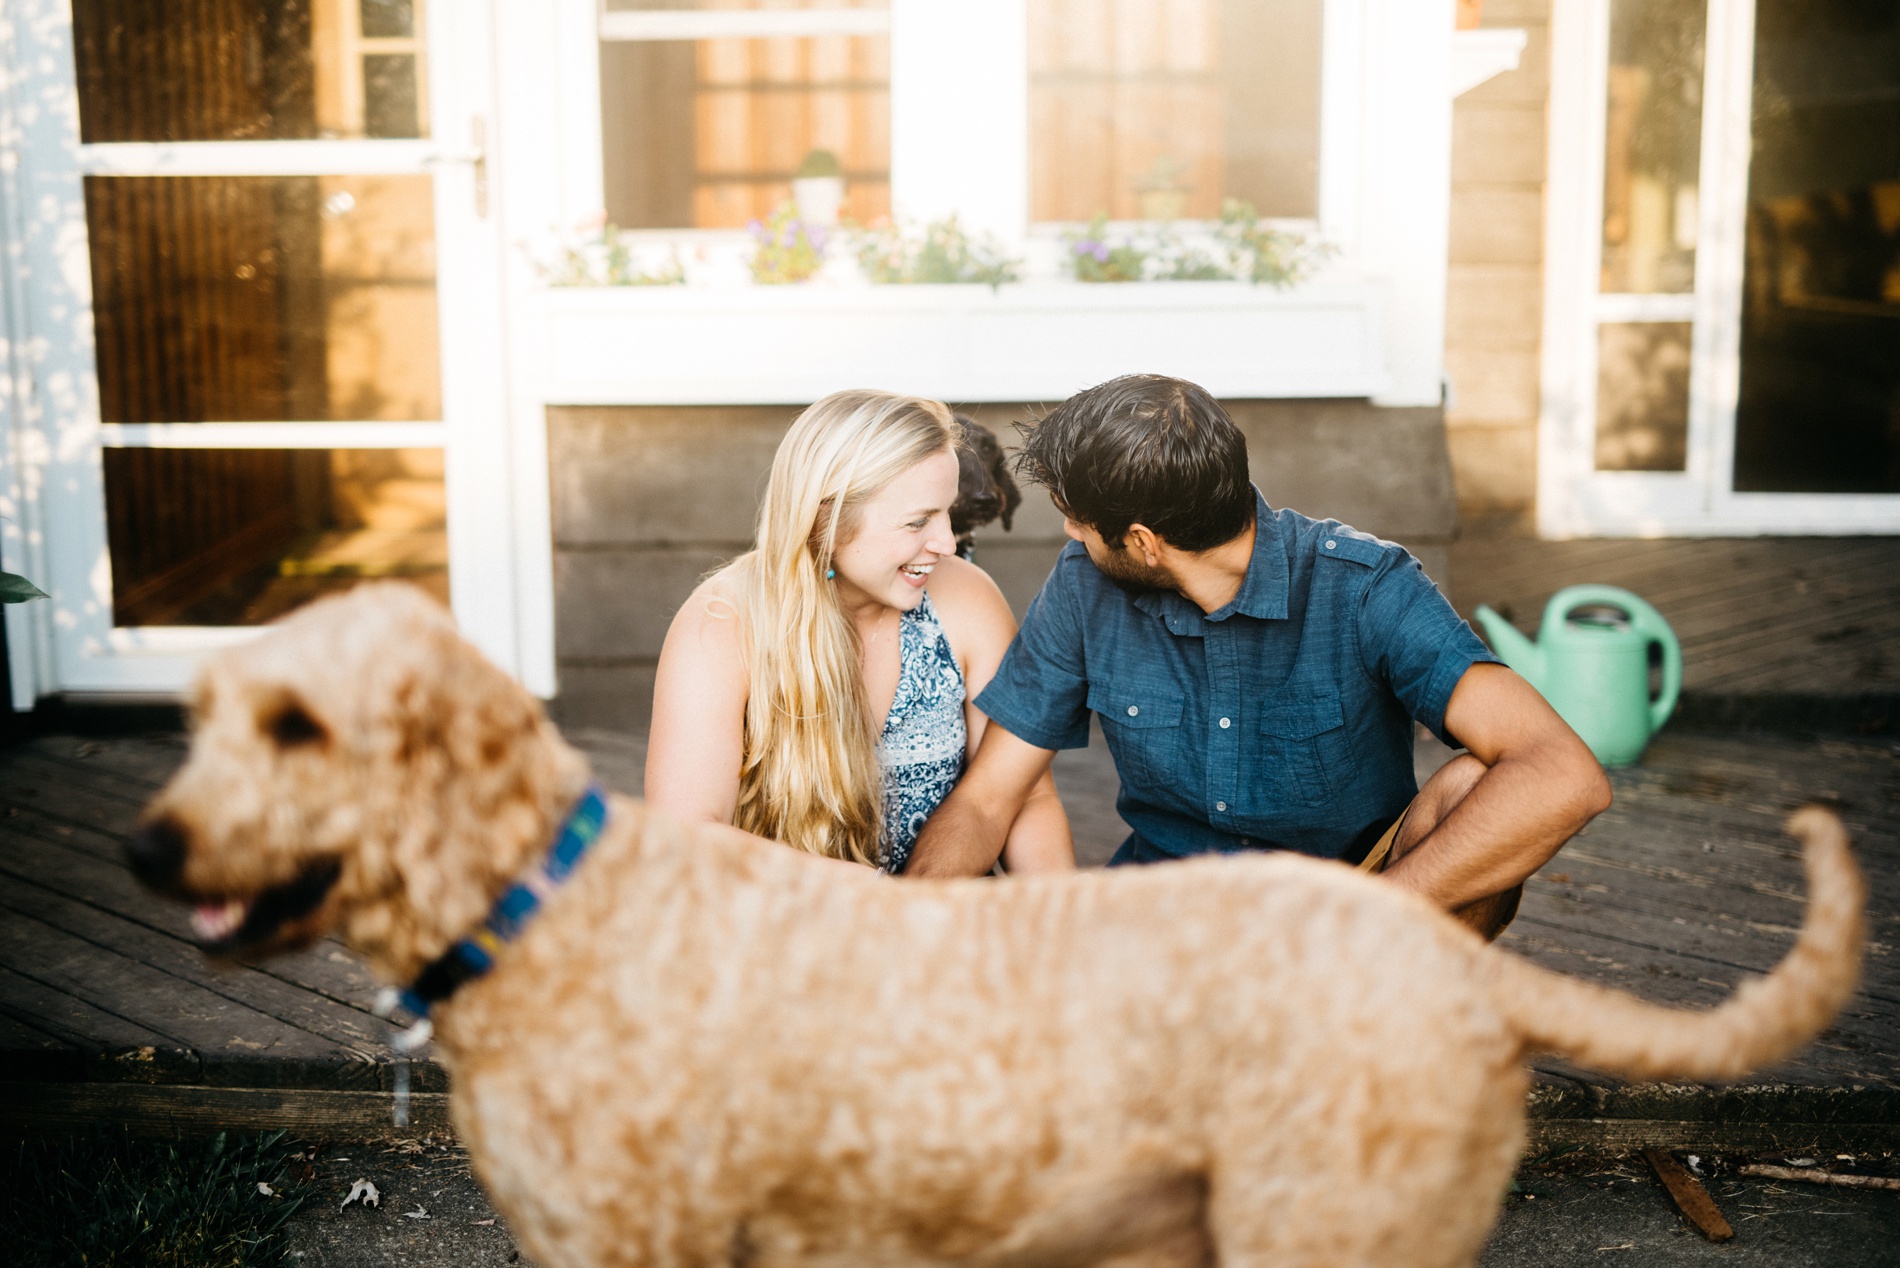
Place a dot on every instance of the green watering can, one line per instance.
(1591, 661)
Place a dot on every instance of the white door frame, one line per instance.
(1573, 498)
(52, 486)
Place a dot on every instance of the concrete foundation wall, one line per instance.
(649, 499)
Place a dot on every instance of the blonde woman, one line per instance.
(817, 689)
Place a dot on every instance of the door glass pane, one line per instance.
(236, 299)
(1158, 109)
(249, 70)
(241, 536)
(1652, 146)
(708, 134)
(1643, 396)
(1820, 392)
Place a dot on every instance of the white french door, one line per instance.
(254, 335)
(1722, 286)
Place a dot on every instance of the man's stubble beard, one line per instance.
(1119, 566)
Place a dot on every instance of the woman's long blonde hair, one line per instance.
(810, 773)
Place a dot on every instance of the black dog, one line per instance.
(984, 488)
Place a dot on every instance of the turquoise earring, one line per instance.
(830, 573)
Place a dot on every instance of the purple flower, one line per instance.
(1100, 253)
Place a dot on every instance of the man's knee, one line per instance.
(1437, 799)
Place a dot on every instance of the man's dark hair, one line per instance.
(1144, 449)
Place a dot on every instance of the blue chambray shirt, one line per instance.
(1281, 721)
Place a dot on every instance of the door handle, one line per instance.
(476, 156)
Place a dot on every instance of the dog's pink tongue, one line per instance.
(212, 921)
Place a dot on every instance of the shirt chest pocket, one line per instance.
(1301, 755)
(1143, 727)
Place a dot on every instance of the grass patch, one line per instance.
(108, 1200)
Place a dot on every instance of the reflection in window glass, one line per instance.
(1158, 109)
(249, 70)
(242, 536)
(1820, 391)
(708, 133)
(1652, 146)
(235, 299)
(1642, 396)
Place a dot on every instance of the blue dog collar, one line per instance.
(475, 955)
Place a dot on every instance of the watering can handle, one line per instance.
(1646, 621)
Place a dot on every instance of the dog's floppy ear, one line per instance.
(454, 702)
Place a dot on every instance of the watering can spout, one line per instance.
(1515, 650)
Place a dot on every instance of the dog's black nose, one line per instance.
(156, 852)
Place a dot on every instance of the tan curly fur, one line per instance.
(711, 1049)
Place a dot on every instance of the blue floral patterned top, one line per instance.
(921, 750)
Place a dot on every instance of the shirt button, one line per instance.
(1220, 805)
(1133, 711)
(1331, 544)
(1225, 723)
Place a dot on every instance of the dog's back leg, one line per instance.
(1324, 1220)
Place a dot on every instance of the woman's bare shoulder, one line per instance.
(708, 623)
(975, 614)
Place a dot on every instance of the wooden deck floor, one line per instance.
(1676, 894)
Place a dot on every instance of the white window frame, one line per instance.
(52, 488)
(1573, 498)
(1385, 139)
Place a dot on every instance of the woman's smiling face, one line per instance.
(899, 535)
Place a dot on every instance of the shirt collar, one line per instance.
(1263, 591)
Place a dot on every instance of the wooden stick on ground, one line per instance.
(1689, 1196)
(1810, 1176)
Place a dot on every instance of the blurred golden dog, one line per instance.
(712, 1049)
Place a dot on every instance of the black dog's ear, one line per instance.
(1005, 485)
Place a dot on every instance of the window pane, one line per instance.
(1652, 146)
(1157, 109)
(233, 299)
(238, 70)
(1820, 391)
(708, 133)
(387, 19)
(241, 536)
(1643, 396)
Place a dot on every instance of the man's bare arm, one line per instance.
(965, 835)
(1040, 840)
(1541, 785)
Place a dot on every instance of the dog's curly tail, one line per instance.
(1764, 1021)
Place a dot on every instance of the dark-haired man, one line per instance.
(1257, 674)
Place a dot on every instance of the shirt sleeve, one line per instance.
(1411, 639)
(1040, 691)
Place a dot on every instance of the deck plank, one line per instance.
(191, 1016)
(145, 760)
(67, 1016)
(1853, 1050)
(353, 1028)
